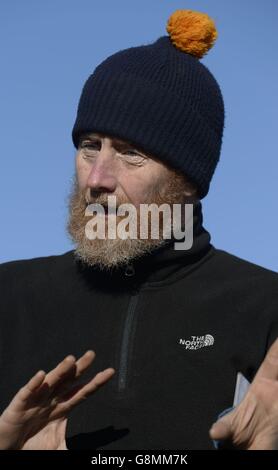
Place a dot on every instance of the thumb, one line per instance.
(222, 429)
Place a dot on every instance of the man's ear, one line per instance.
(190, 190)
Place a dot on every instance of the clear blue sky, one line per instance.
(49, 48)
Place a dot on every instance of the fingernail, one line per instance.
(70, 358)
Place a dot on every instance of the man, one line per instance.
(178, 333)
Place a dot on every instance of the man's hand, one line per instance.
(253, 424)
(36, 418)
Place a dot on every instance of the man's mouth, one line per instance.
(106, 209)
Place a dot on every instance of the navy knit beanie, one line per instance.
(161, 98)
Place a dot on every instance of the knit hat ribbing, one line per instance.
(161, 98)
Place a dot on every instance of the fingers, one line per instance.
(60, 386)
(83, 391)
(56, 384)
(221, 430)
(64, 370)
(34, 383)
(69, 369)
(84, 362)
(100, 379)
(269, 366)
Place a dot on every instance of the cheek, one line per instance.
(82, 173)
(140, 188)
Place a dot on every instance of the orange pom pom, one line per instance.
(192, 32)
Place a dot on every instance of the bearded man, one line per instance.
(181, 335)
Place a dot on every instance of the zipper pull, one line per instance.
(129, 270)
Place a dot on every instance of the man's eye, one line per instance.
(89, 145)
(131, 152)
(133, 158)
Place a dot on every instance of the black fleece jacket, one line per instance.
(176, 325)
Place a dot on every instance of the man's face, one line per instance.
(110, 167)
(113, 167)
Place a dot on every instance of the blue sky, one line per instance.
(48, 49)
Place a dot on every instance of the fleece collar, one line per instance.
(162, 265)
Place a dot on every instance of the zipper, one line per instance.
(127, 335)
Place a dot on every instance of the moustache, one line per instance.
(102, 199)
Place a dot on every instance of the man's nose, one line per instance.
(102, 177)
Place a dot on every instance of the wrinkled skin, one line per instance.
(253, 424)
(36, 418)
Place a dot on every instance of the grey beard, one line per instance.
(109, 253)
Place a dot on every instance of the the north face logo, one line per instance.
(197, 342)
